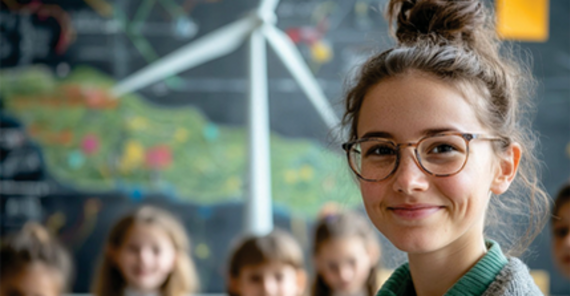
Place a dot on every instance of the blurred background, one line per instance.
(76, 158)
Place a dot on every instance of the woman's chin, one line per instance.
(415, 244)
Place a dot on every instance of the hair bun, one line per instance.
(442, 21)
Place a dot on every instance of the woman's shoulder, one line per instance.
(513, 280)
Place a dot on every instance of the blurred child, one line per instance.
(346, 253)
(32, 263)
(561, 230)
(147, 253)
(270, 265)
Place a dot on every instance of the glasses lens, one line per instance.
(373, 159)
(443, 155)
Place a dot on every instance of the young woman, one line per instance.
(438, 133)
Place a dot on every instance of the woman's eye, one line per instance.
(442, 148)
(380, 150)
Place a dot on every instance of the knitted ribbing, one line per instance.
(493, 275)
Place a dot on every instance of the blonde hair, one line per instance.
(182, 280)
(455, 41)
(277, 246)
(33, 244)
(341, 225)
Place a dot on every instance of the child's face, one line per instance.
(35, 280)
(146, 257)
(270, 279)
(561, 243)
(345, 264)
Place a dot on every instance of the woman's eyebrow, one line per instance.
(378, 134)
(426, 132)
(435, 131)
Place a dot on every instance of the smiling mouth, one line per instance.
(414, 212)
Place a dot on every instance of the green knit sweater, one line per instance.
(474, 283)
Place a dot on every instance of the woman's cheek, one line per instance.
(374, 196)
(369, 191)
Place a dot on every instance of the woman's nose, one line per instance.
(409, 177)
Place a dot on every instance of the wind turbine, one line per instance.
(257, 28)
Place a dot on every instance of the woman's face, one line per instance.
(146, 258)
(561, 237)
(345, 264)
(417, 212)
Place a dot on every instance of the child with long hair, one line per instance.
(561, 230)
(32, 262)
(346, 254)
(147, 253)
(270, 265)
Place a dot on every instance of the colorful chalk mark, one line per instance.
(133, 146)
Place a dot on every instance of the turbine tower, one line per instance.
(257, 28)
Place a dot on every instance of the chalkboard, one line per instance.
(120, 37)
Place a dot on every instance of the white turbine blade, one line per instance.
(209, 47)
(267, 7)
(294, 62)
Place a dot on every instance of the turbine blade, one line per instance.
(209, 47)
(298, 68)
(267, 7)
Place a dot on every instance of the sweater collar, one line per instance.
(473, 283)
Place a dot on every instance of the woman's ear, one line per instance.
(507, 169)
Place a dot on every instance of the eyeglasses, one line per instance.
(440, 155)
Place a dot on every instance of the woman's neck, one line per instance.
(434, 273)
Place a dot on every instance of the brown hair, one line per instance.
(340, 226)
(277, 246)
(562, 198)
(455, 41)
(182, 280)
(33, 244)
